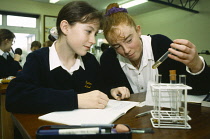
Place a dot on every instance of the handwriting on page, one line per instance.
(122, 106)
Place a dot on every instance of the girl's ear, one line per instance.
(64, 25)
(138, 30)
(5, 41)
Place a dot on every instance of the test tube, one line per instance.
(172, 76)
(182, 79)
(158, 78)
(160, 60)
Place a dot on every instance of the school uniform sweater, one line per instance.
(39, 90)
(114, 76)
(8, 67)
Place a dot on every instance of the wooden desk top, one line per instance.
(200, 123)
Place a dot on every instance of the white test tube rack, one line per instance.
(176, 115)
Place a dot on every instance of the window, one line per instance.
(24, 26)
(23, 41)
(21, 21)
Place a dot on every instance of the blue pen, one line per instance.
(92, 130)
(49, 132)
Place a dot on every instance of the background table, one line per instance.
(200, 123)
(7, 128)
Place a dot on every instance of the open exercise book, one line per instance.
(112, 112)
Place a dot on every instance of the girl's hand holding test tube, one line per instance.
(183, 51)
(186, 53)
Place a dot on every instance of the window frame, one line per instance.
(17, 29)
(49, 22)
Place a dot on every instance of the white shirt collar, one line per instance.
(147, 51)
(124, 61)
(55, 61)
(1, 52)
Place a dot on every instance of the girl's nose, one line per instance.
(92, 39)
(126, 49)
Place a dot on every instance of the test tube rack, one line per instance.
(174, 96)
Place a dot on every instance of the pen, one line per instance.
(92, 130)
(71, 130)
(142, 114)
(160, 60)
(142, 130)
(119, 95)
(95, 130)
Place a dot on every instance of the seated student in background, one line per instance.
(8, 65)
(23, 53)
(63, 76)
(132, 56)
(35, 45)
(53, 36)
(47, 43)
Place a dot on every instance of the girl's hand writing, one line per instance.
(120, 93)
(92, 100)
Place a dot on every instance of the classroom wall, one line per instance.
(179, 24)
(32, 7)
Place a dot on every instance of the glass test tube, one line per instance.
(172, 76)
(158, 78)
(160, 60)
(182, 79)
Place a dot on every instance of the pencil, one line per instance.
(142, 114)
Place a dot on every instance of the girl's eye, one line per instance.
(116, 46)
(88, 31)
(129, 40)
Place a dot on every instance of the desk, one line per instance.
(7, 128)
(200, 123)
